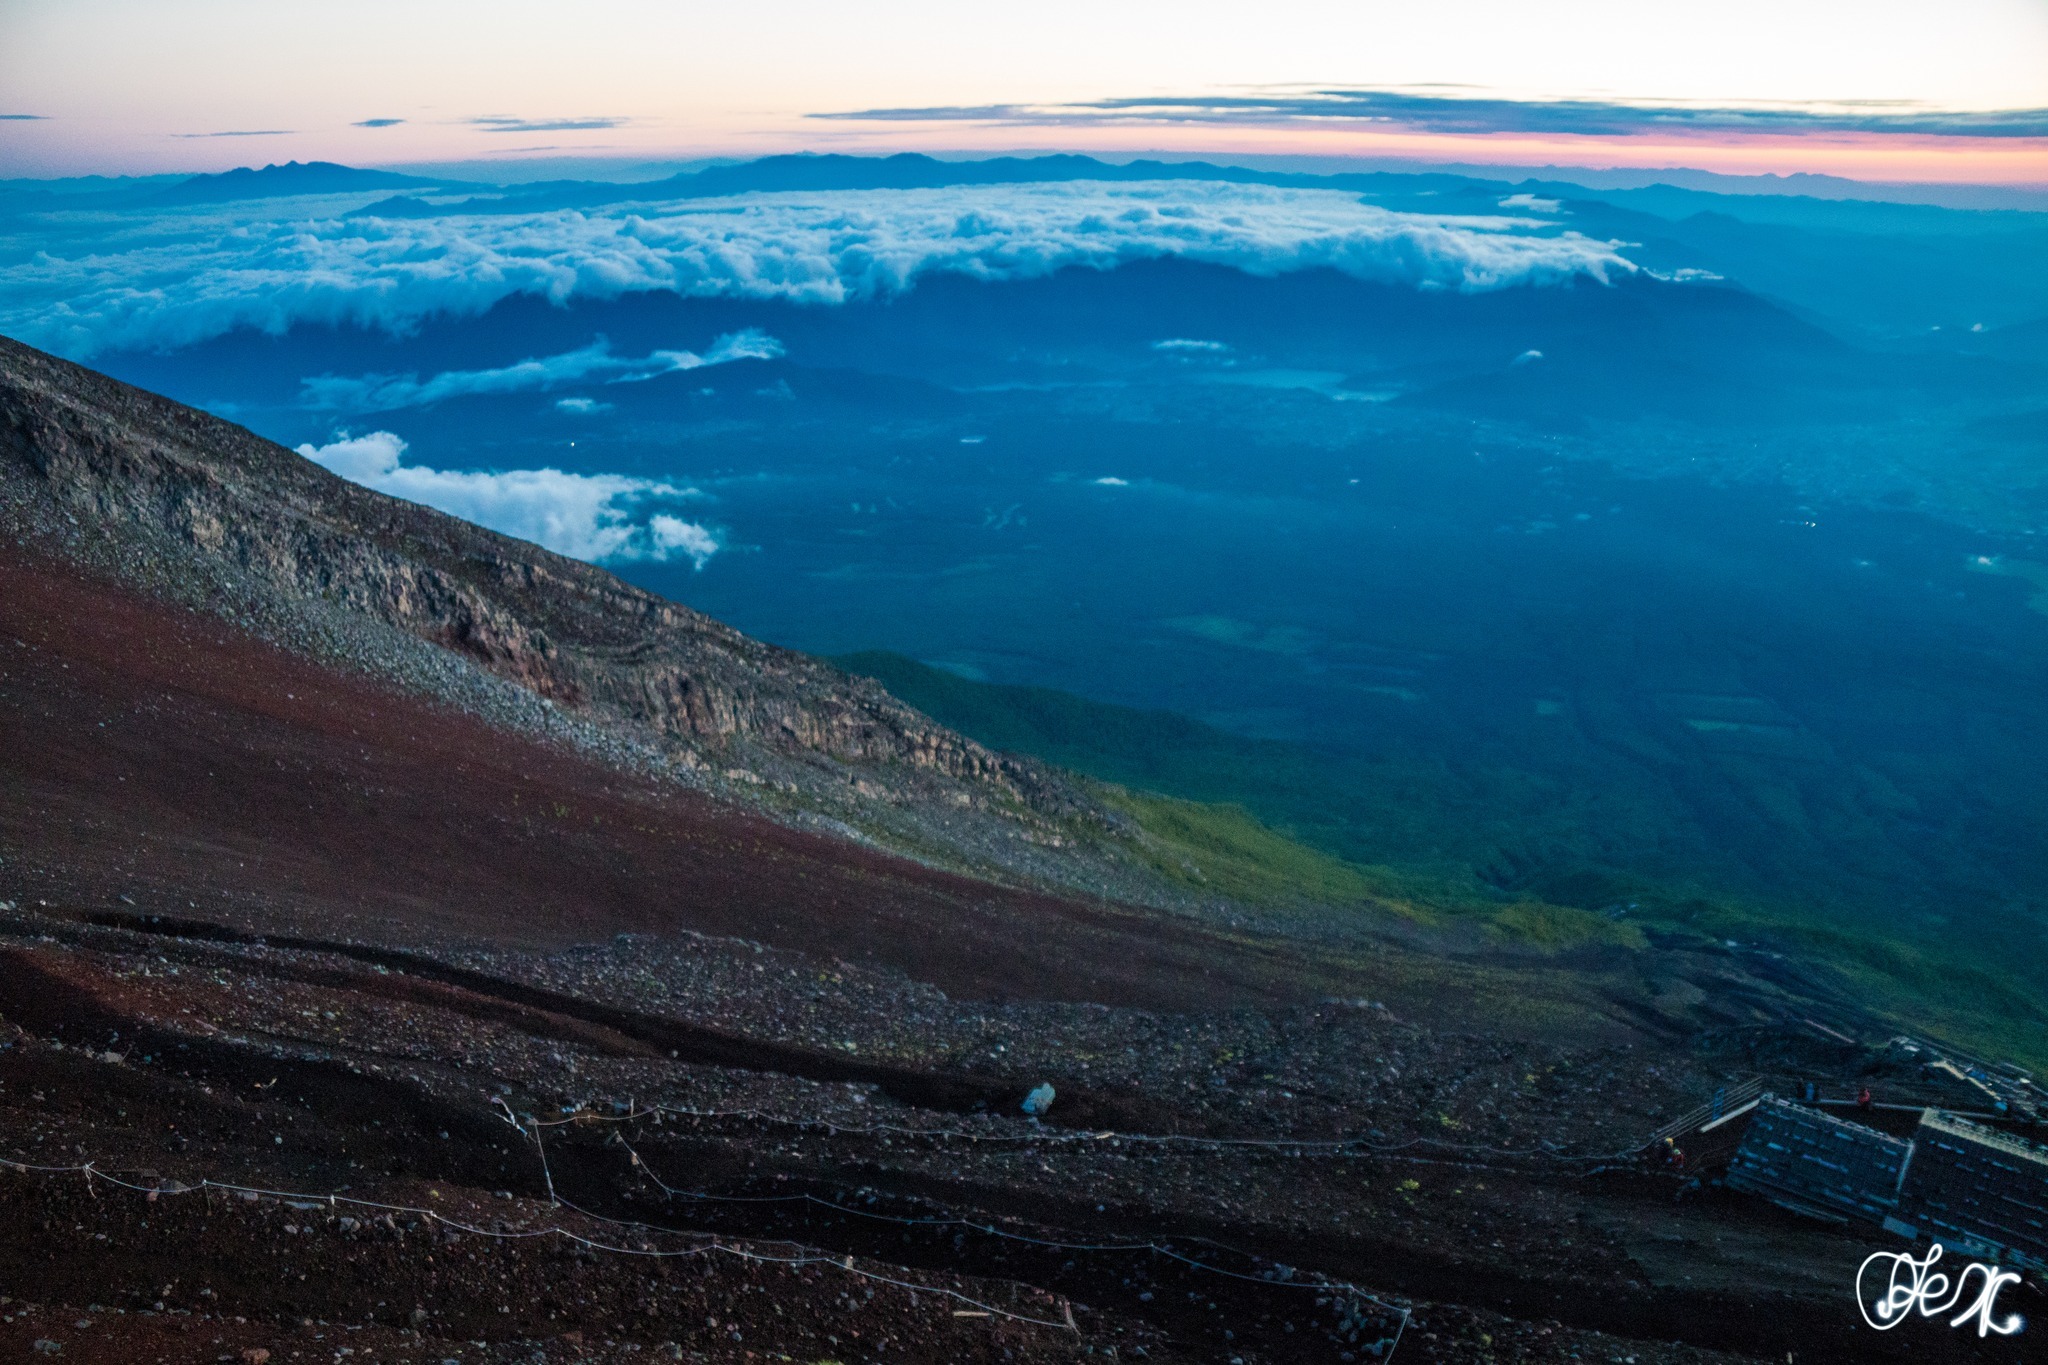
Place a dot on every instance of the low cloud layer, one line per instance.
(386, 392)
(593, 517)
(169, 279)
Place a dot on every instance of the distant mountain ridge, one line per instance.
(277, 181)
(829, 171)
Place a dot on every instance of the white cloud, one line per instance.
(1112, 481)
(1186, 345)
(165, 279)
(384, 392)
(1527, 358)
(581, 407)
(1529, 203)
(359, 459)
(585, 516)
(671, 534)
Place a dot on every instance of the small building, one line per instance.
(1953, 1181)
(1976, 1188)
(1814, 1164)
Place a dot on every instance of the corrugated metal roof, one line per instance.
(1940, 1122)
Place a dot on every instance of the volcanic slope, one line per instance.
(580, 1030)
(198, 509)
(232, 675)
(242, 689)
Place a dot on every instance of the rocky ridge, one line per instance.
(208, 512)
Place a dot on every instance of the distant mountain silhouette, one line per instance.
(903, 171)
(293, 177)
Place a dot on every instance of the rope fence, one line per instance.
(532, 1128)
(709, 1246)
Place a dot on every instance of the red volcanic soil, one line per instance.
(849, 1139)
(157, 758)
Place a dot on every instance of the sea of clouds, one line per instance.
(161, 279)
(594, 517)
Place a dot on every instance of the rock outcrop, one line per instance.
(129, 467)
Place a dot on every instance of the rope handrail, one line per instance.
(707, 1244)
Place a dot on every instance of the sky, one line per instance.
(1898, 90)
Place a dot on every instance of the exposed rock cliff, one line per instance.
(143, 478)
